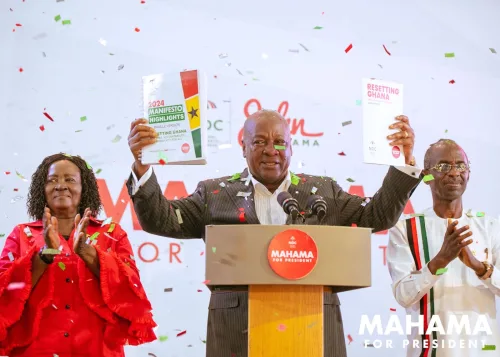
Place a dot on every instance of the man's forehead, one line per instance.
(448, 152)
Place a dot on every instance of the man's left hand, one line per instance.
(471, 261)
(404, 137)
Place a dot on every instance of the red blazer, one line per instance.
(71, 312)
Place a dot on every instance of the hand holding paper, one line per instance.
(405, 137)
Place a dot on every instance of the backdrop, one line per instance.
(70, 76)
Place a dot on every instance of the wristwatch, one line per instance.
(46, 258)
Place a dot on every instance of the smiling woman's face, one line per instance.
(63, 188)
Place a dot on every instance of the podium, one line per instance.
(287, 269)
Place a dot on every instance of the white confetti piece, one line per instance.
(223, 55)
(11, 256)
(243, 194)
(103, 42)
(304, 47)
(247, 181)
(107, 235)
(293, 50)
(27, 231)
(16, 286)
(107, 221)
(16, 199)
(120, 67)
(239, 72)
(265, 56)
(349, 122)
(179, 217)
(54, 306)
(60, 248)
(116, 139)
(222, 184)
(314, 190)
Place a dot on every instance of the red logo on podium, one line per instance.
(292, 254)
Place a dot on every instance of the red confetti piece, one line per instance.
(202, 253)
(181, 333)
(21, 69)
(216, 192)
(137, 29)
(386, 51)
(206, 282)
(348, 48)
(452, 81)
(200, 291)
(42, 128)
(349, 337)
(16, 286)
(354, 225)
(16, 189)
(342, 153)
(281, 327)
(162, 162)
(215, 76)
(48, 116)
(241, 217)
(303, 179)
(7, 172)
(393, 309)
(19, 25)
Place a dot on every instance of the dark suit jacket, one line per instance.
(216, 201)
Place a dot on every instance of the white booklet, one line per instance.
(175, 105)
(382, 103)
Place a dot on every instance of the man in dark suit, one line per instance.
(267, 148)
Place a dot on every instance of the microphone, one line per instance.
(317, 206)
(290, 205)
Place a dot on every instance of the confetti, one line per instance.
(163, 338)
(241, 215)
(107, 235)
(314, 190)
(116, 139)
(295, 179)
(386, 50)
(137, 29)
(181, 333)
(20, 176)
(179, 217)
(57, 17)
(47, 115)
(493, 50)
(42, 128)
(11, 256)
(358, 102)
(392, 309)
(84, 118)
(7, 172)
(103, 42)
(428, 178)
(281, 327)
(107, 221)
(120, 67)
(342, 153)
(318, 27)
(446, 131)
(452, 81)
(293, 51)
(168, 290)
(243, 194)
(27, 231)
(222, 184)
(280, 147)
(350, 180)
(480, 214)
(265, 56)
(441, 271)
(348, 48)
(489, 348)
(469, 214)
(51, 251)
(214, 249)
(21, 70)
(223, 55)
(304, 47)
(98, 171)
(449, 54)
(162, 162)
(347, 123)
(349, 337)
(62, 266)
(235, 177)
(16, 286)
(2, 235)
(66, 22)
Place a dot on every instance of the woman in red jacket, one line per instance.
(69, 285)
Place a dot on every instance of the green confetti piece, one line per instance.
(350, 180)
(94, 236)
(493, 50)
(441, 271)
(446, 131)
(84, 118)
(78, 131)
(66, 22)
(318, 27)
(480, 214)
(295, 179)
(57, 18)
(62, 266)
(489, 348)
(358, 102)
(214, 249)
(449, 54)
(428, 178)
(88, 165)
(111, 228)
(51, 251)
(67, 155)
(116, 139)
(280, 147)
(204, 341)
(235, 177)
(2, 235)
(98, 171)
(163, 338)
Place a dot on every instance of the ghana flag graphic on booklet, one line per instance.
(175, 105)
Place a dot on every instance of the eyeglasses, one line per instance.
(444, 168)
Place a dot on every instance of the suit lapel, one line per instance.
(243, 204)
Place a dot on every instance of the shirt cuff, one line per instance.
(428, 277)
(136, 185)
(413, 171)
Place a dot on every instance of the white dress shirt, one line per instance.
(456, 292)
